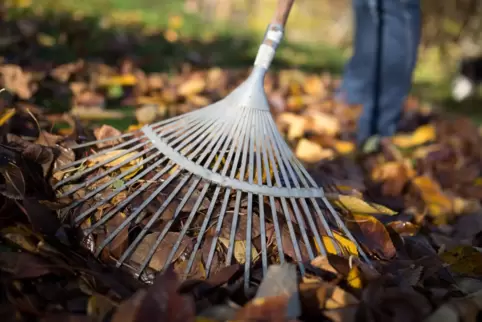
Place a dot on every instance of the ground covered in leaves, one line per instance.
(420, 221)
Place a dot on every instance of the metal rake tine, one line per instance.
(130, 250)
(237, 154)
(103, 174)
(274, 213)
(125, 135)
(105, 151)
(159, 212)
(258, 137)
(171, 221)
(285, 177)
(284, 206)
(249, 222)
(199, 138)
(197, 130)
(214, 198)
(200, 198)
(164, 232)
(306, 180)
(343, 227)
(106, 184)
(287, 156)
(205, 152)
(133, 215)
(232, 236)
(298, 216)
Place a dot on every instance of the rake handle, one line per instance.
(282, 12)
(273, 35)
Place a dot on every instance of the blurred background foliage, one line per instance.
(319, 30)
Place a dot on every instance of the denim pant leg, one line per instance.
(355, 82)
(401, 28)
(387, 57)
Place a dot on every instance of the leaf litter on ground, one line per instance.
(414, 206)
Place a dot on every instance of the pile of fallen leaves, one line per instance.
(414, 206)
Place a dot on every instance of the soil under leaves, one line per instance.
(414, 206)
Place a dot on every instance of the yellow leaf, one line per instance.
(347, 246)
(344, 147)
(437, 202)
(66, 131)
(122, 156)
(192, 86)
(120, 80)
(355, 204)
(354, 278)
(134, 127)
(313, 85)
(6, 115)
(309, 151)
(423, 134)
(239, 249)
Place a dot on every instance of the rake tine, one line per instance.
(249, 223)
(287, 180)
(198, 203)
(140, 175)
(200, 198)
(227, 193)
(259, 170)
(274, 213)
(232, 237)
(126, 135)
(285, 155)
(133, 215)
(113, 148)
(140, 208)
(216, 192)
(229, 145)
(284, 203)
(345, 230)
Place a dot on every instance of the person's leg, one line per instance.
(400, 37)
(358, 70)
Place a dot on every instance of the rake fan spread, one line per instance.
(202, 190)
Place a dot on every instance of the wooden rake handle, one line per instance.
(282, 12)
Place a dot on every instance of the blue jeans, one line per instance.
(379, 74)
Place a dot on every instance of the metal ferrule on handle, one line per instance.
(270, 43)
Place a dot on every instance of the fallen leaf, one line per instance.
(373, 235)
(239, 250)
(423, 134)
(358, 205)
(311, 152)
(463, 260)
(346, 245)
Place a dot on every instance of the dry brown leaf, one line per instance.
(394, 176)
(162, 252)
(373, 235)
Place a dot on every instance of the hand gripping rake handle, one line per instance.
(273, 35)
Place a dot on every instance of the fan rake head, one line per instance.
(203, 189)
